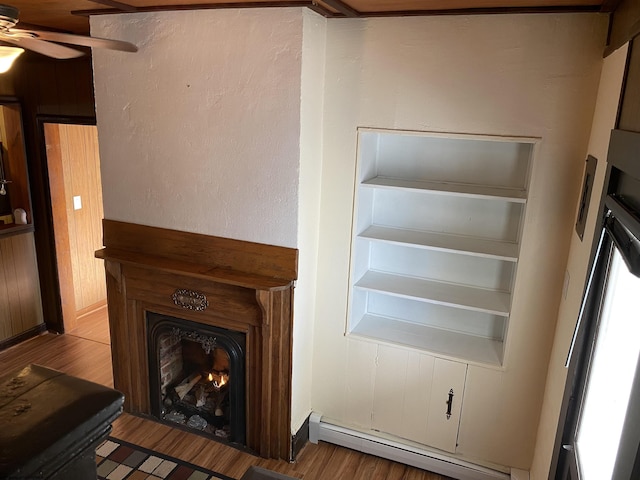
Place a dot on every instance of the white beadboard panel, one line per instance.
(443, 429)
(457, 215)
(360, 373)
(390, 388)
(507, 251)
(416, 397)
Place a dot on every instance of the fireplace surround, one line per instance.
(215, 282)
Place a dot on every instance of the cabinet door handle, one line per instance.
(449, 403)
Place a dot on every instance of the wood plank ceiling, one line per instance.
(72, 15)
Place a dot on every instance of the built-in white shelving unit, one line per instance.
(436, 235)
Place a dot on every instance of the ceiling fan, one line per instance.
(41, 41)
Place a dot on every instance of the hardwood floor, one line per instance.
(93, 326)
(86, 354)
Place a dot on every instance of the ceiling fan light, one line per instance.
(7, 57)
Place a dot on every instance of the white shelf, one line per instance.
(447, 188)
(444, 342)
(451, 295)
(480, 247)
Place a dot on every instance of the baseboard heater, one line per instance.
(398, 452)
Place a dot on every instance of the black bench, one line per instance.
(51, 423)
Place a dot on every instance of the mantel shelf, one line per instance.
(206, 272)
(478, 247)
(448, 188)
(451, 295)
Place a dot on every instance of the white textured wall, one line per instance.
(215, 127)
(311, 110)
(200, 129)
(603, 121)
(529, 75)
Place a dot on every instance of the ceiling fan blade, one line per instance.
(80, 40)
(45, 48)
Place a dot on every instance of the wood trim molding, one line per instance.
(300, 439)
(125, 7)
(61, 226)
(26, 335)
(200, 6)
(484, 11)
(624, 24)
(91, 308)
(250, 302)
(343, 8)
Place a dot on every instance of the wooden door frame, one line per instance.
(59, 257)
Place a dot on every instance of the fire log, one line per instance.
(187, 384)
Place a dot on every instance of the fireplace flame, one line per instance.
(218, 380)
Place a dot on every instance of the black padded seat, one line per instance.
(51, 423)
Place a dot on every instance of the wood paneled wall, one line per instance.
(48, 88)
(20, 308)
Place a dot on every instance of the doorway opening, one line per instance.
(73, 164)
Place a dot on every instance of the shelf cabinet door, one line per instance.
(447, 392)
(402, 392)
(411, 393)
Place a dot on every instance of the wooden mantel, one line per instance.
(248, 287)
(235, 262)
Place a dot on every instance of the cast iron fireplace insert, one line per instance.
(197, 377)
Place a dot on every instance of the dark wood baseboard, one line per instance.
(26, 335)
(299, 439)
